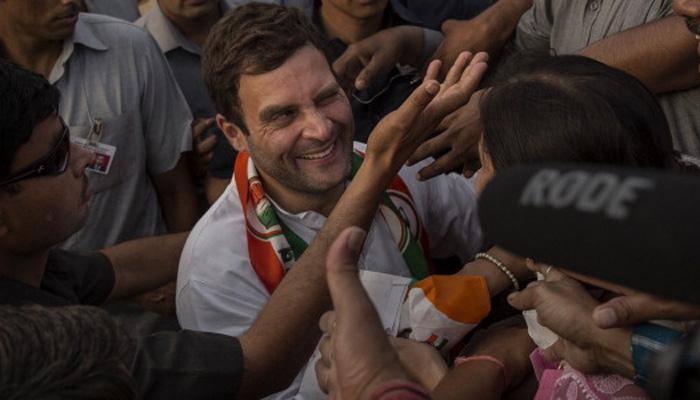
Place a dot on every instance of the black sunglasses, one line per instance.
(54, 162)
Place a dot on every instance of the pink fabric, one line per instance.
(566, 383)
(399, 390)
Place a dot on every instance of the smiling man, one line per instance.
(299, 180)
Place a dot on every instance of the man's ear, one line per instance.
(234, 134)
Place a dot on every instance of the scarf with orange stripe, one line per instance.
(273, 248)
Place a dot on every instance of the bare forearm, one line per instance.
(283, 337)
(146, 264)
(662, 54)
(471, 380)
(181, 212)
(496, 280)
(502, 18)
(178, 200)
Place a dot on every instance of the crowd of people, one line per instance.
(226, 199)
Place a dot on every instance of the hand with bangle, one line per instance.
(501, 270)
(496, 361)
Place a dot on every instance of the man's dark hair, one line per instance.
(252, 39)
(573, 109)
(26, 99)
(76, 352)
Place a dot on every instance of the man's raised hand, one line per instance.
(397, 136)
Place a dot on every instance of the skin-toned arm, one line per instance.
(286, 331)
(487, 32)
(483, 379)
(142, 265)
(177, 197)
(496, 280)
(662, 54)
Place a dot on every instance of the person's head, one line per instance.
(571, 109)
(50, 20)
(76, 352)
(188, 9)
(358, 9)
(690, 9)
(271, 81)
(43, 187)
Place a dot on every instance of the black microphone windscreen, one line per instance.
(635, 227)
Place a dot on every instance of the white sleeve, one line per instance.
(217, 288)
(448, 209)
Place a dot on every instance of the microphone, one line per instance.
(636, 227)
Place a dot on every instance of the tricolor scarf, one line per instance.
(273, 247)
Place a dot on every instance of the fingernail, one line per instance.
(433, 88)
(355, 241)
(360, 84)
(605, 317)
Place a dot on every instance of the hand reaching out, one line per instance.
(398, 134)
(456, 143)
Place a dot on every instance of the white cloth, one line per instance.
(112, 70)
(218, 290)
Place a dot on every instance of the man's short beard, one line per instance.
(297, 182)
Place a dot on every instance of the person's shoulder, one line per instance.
(114, 32)
(218, 238)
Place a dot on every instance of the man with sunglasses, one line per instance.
(44, 197)
(119, 99)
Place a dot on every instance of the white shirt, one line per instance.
(218, 290)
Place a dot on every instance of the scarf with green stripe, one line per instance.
(273, 247)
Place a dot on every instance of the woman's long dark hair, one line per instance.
(573, 109)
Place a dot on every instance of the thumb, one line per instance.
(555, 352)
(635, 308)
(342, 274)
(525, 299)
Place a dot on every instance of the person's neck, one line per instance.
(36, 54)
(195, 30)
(295, 202)
(26, 268)
(338, 24)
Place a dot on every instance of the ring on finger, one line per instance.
(546, 271)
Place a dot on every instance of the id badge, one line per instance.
(104, 154)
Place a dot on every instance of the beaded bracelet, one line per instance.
(500, 266)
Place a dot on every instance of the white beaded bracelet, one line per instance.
(495, 261)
